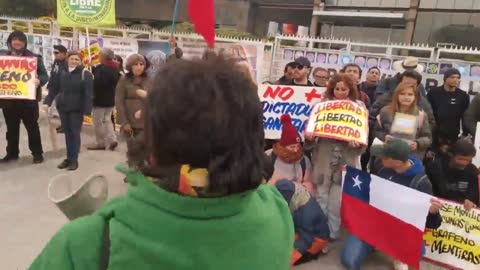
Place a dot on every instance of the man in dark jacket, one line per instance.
(454, 177)
(449, 103)
(106, 76)
(16, 110)
(287, 74)
(401, 168)
(472, 116)
(59, 64)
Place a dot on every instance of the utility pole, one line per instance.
(318, 5)
(411, 20)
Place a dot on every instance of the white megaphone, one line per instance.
(79, 202)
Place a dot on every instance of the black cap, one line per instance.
(60, 48)
(394, 149)
(303, 61)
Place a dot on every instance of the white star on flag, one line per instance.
(357, 182)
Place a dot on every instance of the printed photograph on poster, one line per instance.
(372, 62)
(310, 56)
(475, 70)
(360, 60)
(333, 58)
(444, 67)
(287, 55)
(321, 58)
(155, 52)
(424, 65)
(385, 63)
(463, 68)
(298, 54)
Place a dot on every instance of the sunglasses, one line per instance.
(299, 67)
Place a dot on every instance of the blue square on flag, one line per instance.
(357, 184)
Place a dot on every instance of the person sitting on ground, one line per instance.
(398, 166)
(454, 177)
(411, 77)
(405, 102)
(196, 198)
(288, 157)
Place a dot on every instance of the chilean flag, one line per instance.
(386, 215)
(202, 15)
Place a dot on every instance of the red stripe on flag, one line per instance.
(202, 15)
(385, 232)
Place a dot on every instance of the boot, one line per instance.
(72, 166)
(64, 164)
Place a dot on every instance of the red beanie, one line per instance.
(289, 132)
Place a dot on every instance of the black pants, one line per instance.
(27, 112)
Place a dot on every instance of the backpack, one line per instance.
(303, 163)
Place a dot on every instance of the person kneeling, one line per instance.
(403, 168)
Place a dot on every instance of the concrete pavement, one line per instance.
(28, 219)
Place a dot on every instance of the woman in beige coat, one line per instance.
(127, 98)
(330, 155)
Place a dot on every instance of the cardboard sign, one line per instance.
(343, 120)
(297, 101)
(17, 77)
(94, 54)
(456, 243)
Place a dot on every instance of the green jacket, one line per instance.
(150, 228)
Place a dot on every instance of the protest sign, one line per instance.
(94, 54)
(456, 243)
(343, 120)
(297, 101)
(83, 13)
(17, 77)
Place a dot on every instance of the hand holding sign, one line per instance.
(343, 120)
(469, 205)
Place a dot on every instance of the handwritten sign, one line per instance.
(456, 243)
(297, 101)
(17, 77)
(339, 119)
(94, 53)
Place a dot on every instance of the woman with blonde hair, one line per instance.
(403, 119)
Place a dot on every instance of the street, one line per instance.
(28, 219)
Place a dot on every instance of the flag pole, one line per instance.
(88, 49)
(172, 28)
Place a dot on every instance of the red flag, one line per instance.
(202, 15)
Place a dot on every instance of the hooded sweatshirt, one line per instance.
(150, 228)
(415, 178)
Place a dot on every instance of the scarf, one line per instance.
(286, 155)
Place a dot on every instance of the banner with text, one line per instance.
(86, 12)
(432, 73)
(343, 120)
(94, 58)
(456, 243)
(17, 77)
(297, 101)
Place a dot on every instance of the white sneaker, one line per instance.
(398, 265)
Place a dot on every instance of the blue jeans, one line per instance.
(354, 252)
(72, 126)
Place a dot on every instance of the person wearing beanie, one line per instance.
(26, 111)
(106, 77)
(309, 221)
(288, 158)
(449, 104)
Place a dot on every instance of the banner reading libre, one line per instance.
(343, 120)
(83, 13)
(297, 101)
(17, 77)
(456, 243)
